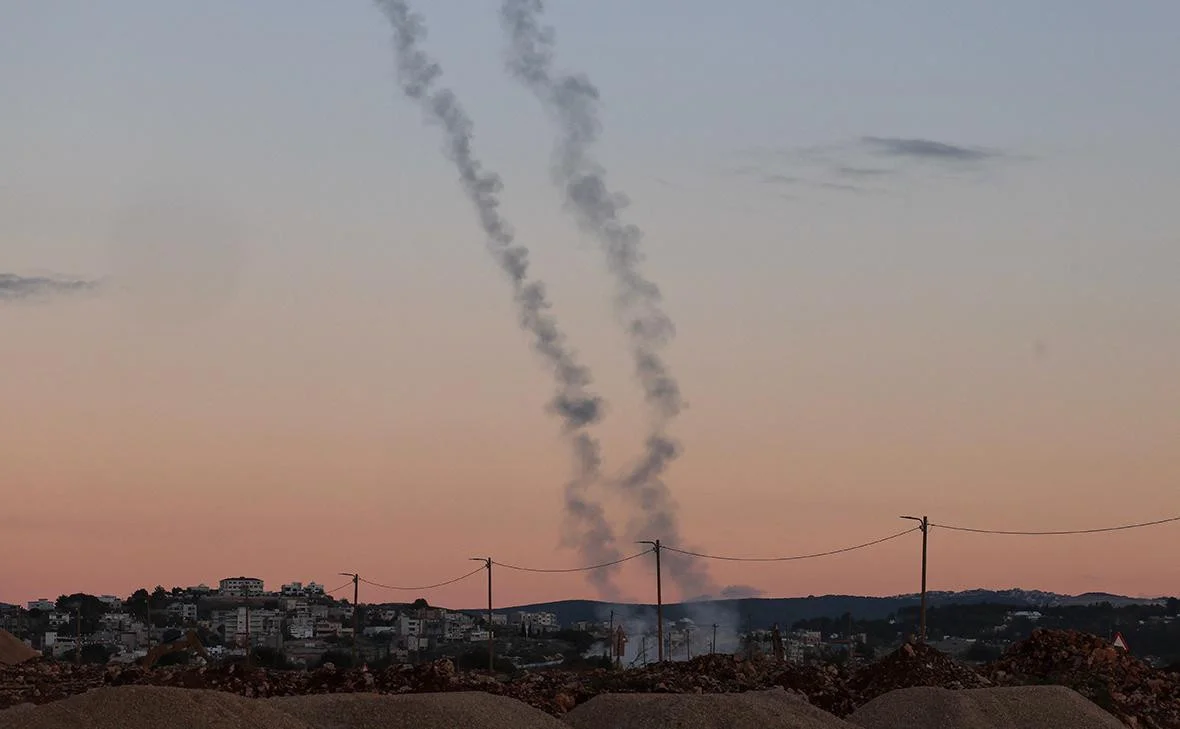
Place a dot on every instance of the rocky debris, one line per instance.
(1115, 680)
(914, 664)
(1129, 689)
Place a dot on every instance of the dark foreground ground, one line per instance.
(1135, 693)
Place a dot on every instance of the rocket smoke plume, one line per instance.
(572, 100)
(588, 529)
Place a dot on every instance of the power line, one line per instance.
(424, 587)
(1121, 527)
(797, 556)
(571, 569)
(338, 589)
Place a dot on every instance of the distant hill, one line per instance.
(763, 612)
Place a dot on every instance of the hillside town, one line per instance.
(300, 625)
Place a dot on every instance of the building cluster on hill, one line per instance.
(299, 621)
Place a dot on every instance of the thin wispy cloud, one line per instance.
(927, 149)
(852, 165)
(31, 288)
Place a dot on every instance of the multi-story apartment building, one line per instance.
(241, 587)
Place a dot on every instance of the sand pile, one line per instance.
(1022, 707)
(773, 709)
(914, 664)
(13, 651)
(470, 710)
(142, 707)
(1111, 678)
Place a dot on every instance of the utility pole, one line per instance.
(611, 639)
(713, 647)
(925, 527)
(487, 561)
(356, 616)
(78, 635)
(249, 645)
(659, 602)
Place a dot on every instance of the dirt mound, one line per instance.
(13, 651)
(140, 707)
(774, 709)
(1022, 707)
(914, 664)
(1111, 678)
(414, 711)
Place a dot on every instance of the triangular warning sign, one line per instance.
(1120, 642)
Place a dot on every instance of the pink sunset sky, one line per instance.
(301, 360)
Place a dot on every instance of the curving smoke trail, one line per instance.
(572, 100)
(588, 529)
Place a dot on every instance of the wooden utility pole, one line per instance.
(925, 527)
(78, 635)
(659, 603)
(713, 647)
(611, 633)
(356, 616)
(487, 561)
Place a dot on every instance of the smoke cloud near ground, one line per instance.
(587, 528)
(572, 101)
(683, 638)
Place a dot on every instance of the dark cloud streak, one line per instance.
(926, 149)
(20, 288)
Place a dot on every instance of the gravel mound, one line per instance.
(142, 707)
(467, 709)
(1022, 707)
(773, 709)
(13, 651)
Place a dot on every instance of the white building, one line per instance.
(241, 587)
(111, 601)
(409, 626)
(43, 605)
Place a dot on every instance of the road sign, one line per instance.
(1120, 642)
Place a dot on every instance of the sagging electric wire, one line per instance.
(338, 589)
(794, 557)
(587, 568)
(1121, 527)
(460, 578)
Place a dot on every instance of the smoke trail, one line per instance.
(587, 527)
(573, 102)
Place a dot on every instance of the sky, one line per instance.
(920, 260)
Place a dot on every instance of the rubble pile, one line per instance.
(1129, 689)
(39, 681)
(914, 664)
(826, 687)
(1118, 682)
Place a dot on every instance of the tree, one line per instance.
(338, 658)
(267, 657)
(159, 598)
(94, 653)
